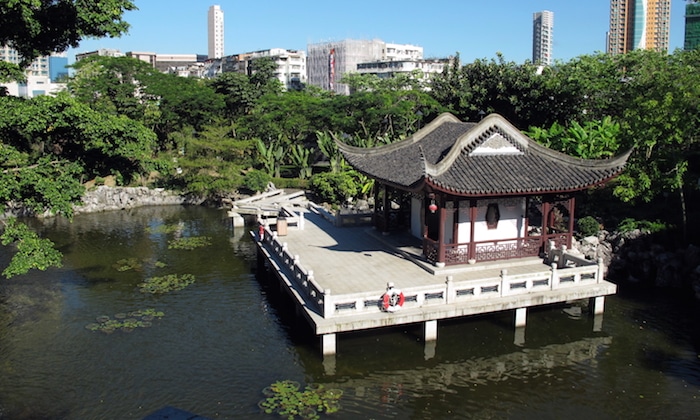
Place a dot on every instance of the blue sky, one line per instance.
(474, 28)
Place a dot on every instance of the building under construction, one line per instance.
(327, 62)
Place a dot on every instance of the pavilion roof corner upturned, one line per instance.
(489, 158)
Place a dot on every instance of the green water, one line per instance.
(230, 334)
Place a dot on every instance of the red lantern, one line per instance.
(432, 207)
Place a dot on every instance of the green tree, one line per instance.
(66, 129)
(182, 102)
(519, 92)
(37, 27)
(663, 122)
(239, 94)
(116, 85)
(130, 87)
(31, 173)
(592, 140)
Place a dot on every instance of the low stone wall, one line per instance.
(105, 198)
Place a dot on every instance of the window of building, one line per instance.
(493, 215)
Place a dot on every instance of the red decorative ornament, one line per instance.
(432, 207)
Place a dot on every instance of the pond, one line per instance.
(228, 335)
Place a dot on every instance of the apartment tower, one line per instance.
(542, 32)
(692, 26)
(215, 25)
(639, 24)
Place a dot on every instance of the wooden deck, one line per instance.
(338, 276)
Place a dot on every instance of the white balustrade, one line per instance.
(568, 271)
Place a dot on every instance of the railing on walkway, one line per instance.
(566, 271)
(493, 250)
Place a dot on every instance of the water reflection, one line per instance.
(227, 336)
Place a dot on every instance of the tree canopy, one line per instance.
(121, 116)
(39, 27)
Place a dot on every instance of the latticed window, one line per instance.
(493, 215)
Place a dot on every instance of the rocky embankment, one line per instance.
(104, 198)
(635, 257)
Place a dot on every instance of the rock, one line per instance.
(104, 198)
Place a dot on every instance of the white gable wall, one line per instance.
(510, 225)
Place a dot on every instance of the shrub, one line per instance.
(588, 226)
(630, 224)
(334, 187)
(296, 183)
(256, 180)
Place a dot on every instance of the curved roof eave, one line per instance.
(525, 142)
(437, 186)
(416, 137)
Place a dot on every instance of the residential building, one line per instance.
(215, 25)
(639, 24)
(146, 57)
(542, 37)
(291, 65)
(385, 69)
(38, 67)
(40, 74)
(327, 62)
(104, 52)
(692, 26)
(185, 65)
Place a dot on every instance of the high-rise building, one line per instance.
(692, 26)
(41, 74)
(215, 24)
(58, 67)
(639, 24)
(542, 32)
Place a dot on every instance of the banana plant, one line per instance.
(301, 159)
(271, 156)
(329, 149)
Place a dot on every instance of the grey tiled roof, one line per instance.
(470, 159)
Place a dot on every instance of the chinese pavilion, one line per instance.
(477, 191)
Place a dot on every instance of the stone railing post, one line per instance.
(504, 274)
(328, 305)
(554, 277)
(601, 270)
(450, 293)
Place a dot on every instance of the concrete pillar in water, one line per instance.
(519, 338)
(328, 344)
(236, 219)
(431, 330)
(520, 317)
(329, 364)
(598, 305)
(598, 323)
(429, 350)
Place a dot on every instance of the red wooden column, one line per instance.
(545, 224)
(473, 212)
(441, 229)
(570, 233)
